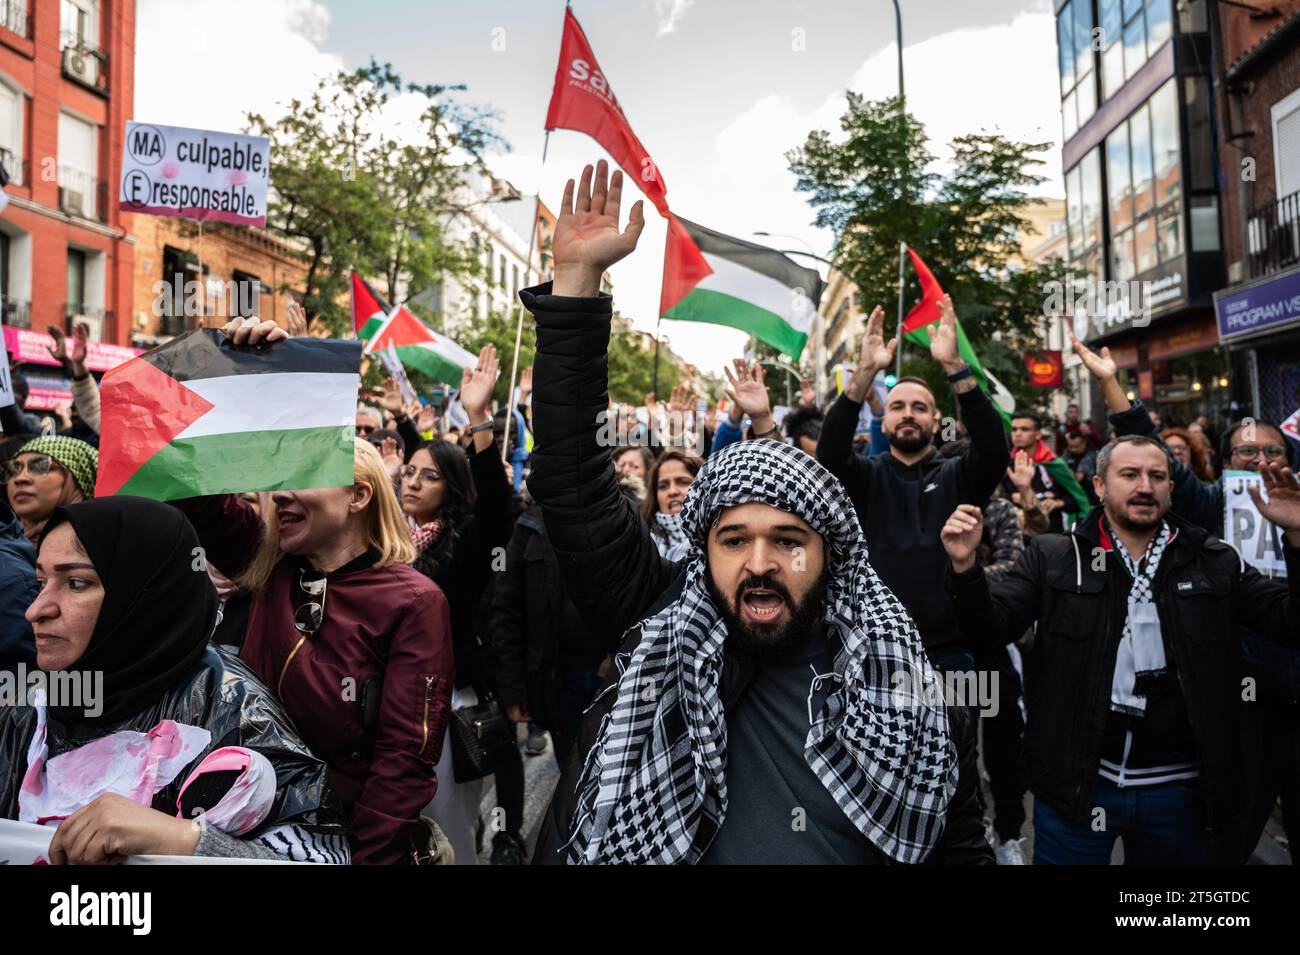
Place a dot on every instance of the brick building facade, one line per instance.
(67, 70)
(246, 272)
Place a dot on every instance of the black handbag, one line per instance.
(481, 738)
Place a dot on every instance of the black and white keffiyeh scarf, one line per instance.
(654, 790)
(1141, 651)
(670, 538)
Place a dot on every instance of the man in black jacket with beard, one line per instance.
(1134, 684)
(904, 497)
(771, 701)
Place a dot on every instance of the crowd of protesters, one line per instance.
(737, 635)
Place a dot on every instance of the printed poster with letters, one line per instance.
(195, 174)
(1256, 539)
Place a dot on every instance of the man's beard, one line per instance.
(1121, 519)
(912, 443)
(769, 640)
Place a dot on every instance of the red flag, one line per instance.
(927, 312)
(684, 265)
(582, 101)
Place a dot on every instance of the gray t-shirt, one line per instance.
(778, 810)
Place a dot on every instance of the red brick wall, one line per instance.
(36, 66)
(1250, 111)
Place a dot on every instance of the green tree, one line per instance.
(353, 193)
(874, 186)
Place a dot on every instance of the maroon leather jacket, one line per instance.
(386, 636)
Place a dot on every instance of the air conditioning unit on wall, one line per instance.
(72, 201)
(81, 66)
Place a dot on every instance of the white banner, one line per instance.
(22, 843)
(1256, 539)
(195, 174)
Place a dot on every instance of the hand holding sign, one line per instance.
(252, 332)
(1283, 505)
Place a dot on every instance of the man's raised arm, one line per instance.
(611, 567)
(835, 446)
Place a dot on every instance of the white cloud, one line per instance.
(999, 78)
(205, 65)
(669, 13)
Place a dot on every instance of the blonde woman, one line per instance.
(356, 643)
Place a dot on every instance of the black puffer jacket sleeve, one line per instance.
(610, 565)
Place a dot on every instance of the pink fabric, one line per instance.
(127, 763)
(248, 802)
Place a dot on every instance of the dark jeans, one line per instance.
(577, 688)
(1160, 825)
(1271, 754)
(1003, 745)
(510, 790)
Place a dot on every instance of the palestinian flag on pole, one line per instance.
(196, 417)
(420, 348)
(715, 278)
(914, 330)
(368, 307)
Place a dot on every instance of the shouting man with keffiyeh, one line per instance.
(770, 701)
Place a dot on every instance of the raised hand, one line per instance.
(807, 394)
(680, 399)
(476, 384)
(747, 388)
(392, 460)
(875, 355)
(525, 383)
(428, 418)
(392, 399)
(961, 536)
(1021, 471)
(587, 240)
(1102, 367)
(1283, 506)
(253, 332)
(295, 320)
(943, 337)
(74, 361)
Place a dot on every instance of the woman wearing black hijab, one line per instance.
(173, 747)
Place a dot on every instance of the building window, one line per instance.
(1074, 26)
(78, 166)
(1131, 33)
(1083, 200)
(76, 281)
(246, 301)
(515, 272)
(11, 130)
(501, 276)
(1286, 144)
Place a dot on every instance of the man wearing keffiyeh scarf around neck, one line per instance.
(772, 629)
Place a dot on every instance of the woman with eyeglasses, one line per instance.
(169, 746)
(355, 642)
(458, 503)
(46, 473)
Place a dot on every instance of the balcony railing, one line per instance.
(18, 169)
(15, 18)
(81, 194)
(1273, 236)
(98, 321)
(84, 63)
(15, 312)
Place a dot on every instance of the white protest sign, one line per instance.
(22, 843)
(396, 372)
(195, 174)
(6, 382)
(1256, 539)
(1291, 426)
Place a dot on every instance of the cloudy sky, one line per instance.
(717, 90)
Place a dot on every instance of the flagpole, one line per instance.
(519, 326)
(898, 353)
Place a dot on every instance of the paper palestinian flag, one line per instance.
(420, 348)
(197, 416)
